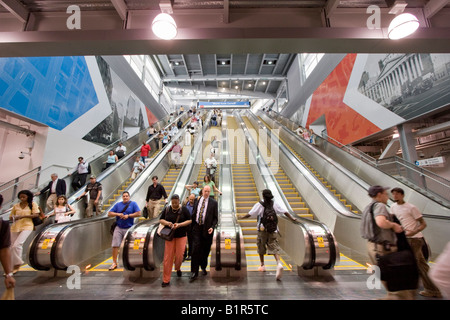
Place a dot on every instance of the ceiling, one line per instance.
(61, 5)
(230, 46)
(114, 27)
(253, 75)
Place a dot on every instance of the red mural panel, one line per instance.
(150, 116)
(343, 123)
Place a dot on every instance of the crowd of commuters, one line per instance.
(194, 220)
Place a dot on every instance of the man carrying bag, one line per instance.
(388, 248)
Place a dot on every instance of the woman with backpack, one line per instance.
(266, 214)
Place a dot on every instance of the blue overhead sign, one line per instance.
(223, 104)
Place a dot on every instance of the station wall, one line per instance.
(367, 93)
(84, 104)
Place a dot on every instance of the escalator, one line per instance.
(295, 200)
(114, 180)
(142, 250)
(59, 245)
(246, 195)
(309, 244)
(323, 180)
(353, 176)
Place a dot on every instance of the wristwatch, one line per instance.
(9, 275)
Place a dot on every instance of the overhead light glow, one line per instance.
(402, 26)
(164, 26)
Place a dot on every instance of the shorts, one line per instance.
(119, 234)
(269, 240)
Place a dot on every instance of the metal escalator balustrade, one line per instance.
(246, 195)
(289, 191)
(33, 181)
(323, 180)
(60, 239)
(310, 244)
(141, 249)
(425, 182)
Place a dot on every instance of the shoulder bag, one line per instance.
(114, 225)
(39, 219)
(399, 269)
(166, 232)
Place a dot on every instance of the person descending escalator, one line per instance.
(267, 241)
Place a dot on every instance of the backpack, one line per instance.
(89, 168)
(269, 218)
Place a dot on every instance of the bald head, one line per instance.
(206, 191)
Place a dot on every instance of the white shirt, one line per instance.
(121, 148)
(211, 162)
(200, 203)
(258, 210)
(173, 131)
(407, 214)
(82, 167)
(53, 188)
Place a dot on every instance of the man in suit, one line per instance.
(204, 220)
(57, 188)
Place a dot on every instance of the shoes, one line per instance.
(204, 272)
(262, 268)
(165, 284)
(113, 266)
(179, 273)
(193, 276)
(430, 294)
(188, 258)
(279, 271)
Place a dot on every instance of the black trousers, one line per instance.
(189, 245)
(79, 180)
(201, 247)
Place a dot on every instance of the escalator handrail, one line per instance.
(226, 161)
(73, 224)
(324, 192)
(71, 199)
(328, 233)
(260, 162)
(151, 232)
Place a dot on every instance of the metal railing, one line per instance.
(31, 179)
(420, 179)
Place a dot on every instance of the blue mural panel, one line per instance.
(52, 90)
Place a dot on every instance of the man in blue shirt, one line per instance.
(125, 212)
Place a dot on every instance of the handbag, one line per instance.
(166, 232)
(114, 225)
(38, 220)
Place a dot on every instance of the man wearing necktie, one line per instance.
(204, 221)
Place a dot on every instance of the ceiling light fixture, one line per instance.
(164, 26)
(402, 26)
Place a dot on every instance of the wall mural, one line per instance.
(51, 90)
(407, 84)
(129, 115)
(367, 93)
